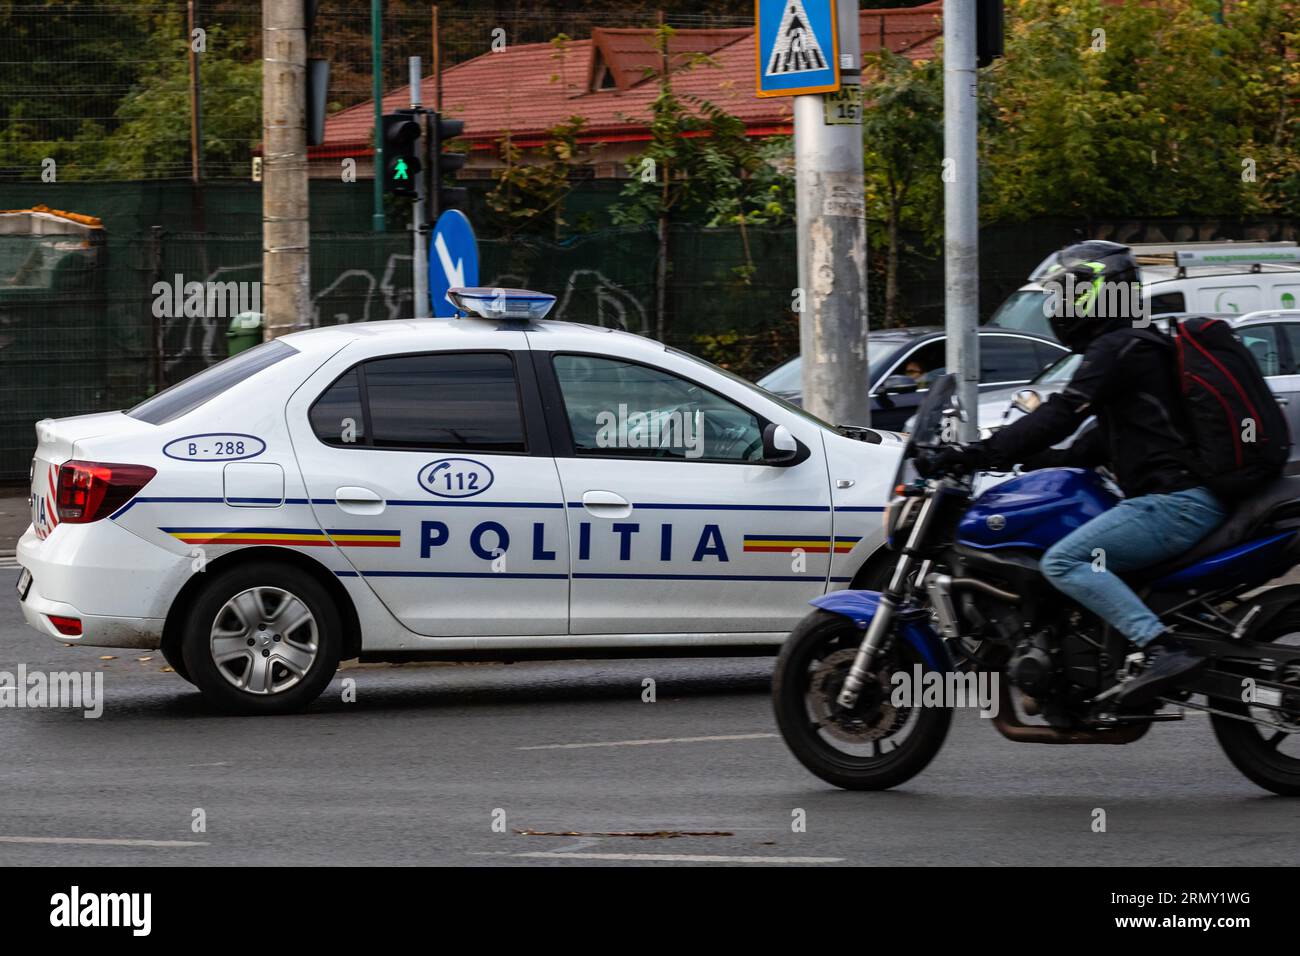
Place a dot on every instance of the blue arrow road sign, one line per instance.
(797, 47)
(453, 260)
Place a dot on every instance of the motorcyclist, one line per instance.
(1129, 383)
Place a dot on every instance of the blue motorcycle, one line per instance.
(866, 685)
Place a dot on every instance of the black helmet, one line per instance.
(1093, 288)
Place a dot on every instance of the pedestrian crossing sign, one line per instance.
(796, 47)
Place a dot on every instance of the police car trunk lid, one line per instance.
(59, 440)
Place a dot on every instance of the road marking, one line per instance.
(647, 743)
(97, 841)
(678, 857)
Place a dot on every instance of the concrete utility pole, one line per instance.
(286, 280)
(832, 239)
(377, 94)
(420, 249)
(961, 208)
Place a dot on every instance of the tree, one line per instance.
(151, 138)
(529, 193)
(902, 151)
(1104, 109)
(700, 162)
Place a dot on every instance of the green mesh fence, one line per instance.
(79, 334)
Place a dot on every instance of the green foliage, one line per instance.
(529, 193)
(750, 354)
(152, 135)
(902, 138)
(143, 131)
(1103, 109)
(701, 162)
(902, 152)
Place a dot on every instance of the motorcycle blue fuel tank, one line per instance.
(1034, 510)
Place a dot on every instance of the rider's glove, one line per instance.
(952, 459)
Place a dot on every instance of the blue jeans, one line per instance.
(1136, 533)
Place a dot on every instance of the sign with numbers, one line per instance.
(844, 106)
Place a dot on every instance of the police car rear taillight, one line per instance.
(90, 490)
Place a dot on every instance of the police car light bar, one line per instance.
(486, 303)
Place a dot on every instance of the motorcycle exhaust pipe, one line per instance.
(1011, 727)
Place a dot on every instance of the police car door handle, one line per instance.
(606, 504)
(358, 501)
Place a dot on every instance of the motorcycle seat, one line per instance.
(1242, 523)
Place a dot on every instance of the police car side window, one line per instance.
(623, 410)
(185, 396)
(440, 401)
(337, 417)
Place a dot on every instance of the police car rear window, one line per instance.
(185, 396)
(446, 401)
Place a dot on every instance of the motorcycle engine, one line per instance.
(1033, 665)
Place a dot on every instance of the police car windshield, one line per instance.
(770, 396)
(187, 395)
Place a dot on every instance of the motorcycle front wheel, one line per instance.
(879, 743)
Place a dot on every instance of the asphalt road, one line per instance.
(417, 769)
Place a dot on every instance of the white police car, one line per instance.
(490, 487)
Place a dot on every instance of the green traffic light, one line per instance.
(399, 171)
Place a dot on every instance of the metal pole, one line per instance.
(961, 208)
(286, 283)
(420, 251)
(196, 140)
(377, 94)
(437, 64)
(832, 242)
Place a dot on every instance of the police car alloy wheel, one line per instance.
(262, 639)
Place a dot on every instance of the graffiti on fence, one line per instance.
(358, 295)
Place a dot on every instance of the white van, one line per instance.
(1229, 278)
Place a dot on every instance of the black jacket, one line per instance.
(1129, 382)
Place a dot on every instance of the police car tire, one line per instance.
(203, 670)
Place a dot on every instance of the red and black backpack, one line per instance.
(1238, 434)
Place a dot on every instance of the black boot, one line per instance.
(1168, 662)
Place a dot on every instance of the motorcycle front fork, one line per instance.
(878, 630)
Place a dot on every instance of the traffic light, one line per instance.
(444, 164)
(401, 152)
(988, 31)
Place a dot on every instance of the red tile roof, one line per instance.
(530, 88)
(631, 57)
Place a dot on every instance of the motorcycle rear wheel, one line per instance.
(1255, 750)
(877, 745)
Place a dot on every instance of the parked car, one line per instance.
(1237, 278)
(902, 362)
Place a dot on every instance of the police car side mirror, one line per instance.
(779, 445)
